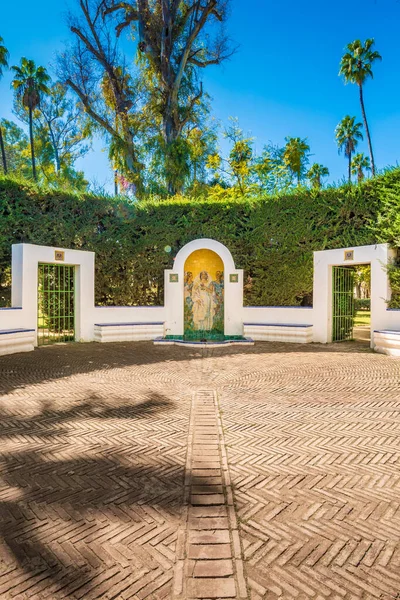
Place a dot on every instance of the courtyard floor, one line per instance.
(130, 471)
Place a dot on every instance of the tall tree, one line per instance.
(16, 147)
(272, 172)
(30, 83)
(238, 167)
(174, 38)
(356, 67)
(296, 156)
(67, 129)
(3, 65)
(348, 133)
(316, 173)
(94, 68)
(359, 164)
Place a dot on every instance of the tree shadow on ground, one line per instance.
(62, 500)
(18, 371)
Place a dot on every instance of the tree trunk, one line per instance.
(367, 131)
(32, 142)
(349, 167)
(170, 135)
(115, 182)
(55, 148)
(3, 152)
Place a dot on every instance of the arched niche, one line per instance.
(203, 291)
(211, 254)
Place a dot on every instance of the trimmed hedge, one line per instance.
(272, 238)
(363, 304)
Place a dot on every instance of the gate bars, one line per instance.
(343, 311)
(56, 303)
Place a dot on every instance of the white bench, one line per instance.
(279, 332)
(387, 341)
(16, 340)
(128, 332)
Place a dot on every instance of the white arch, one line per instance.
(204, 244)
(174, 286)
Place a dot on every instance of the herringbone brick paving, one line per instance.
(93, 446)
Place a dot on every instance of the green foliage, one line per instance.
(29, 83)
(348, 133)
(16, 146)
(394, 279)
(296, 156)
(359, 164)
(4, 55)
(272, 174)
(362, 304)
(315, 175)
(356, 63)
(271, 237)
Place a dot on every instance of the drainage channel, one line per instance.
(209, 554)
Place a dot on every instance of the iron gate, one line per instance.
(343, 304)
(56, 304)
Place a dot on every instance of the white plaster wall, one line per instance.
(24, 271)
(25, 260)
(288, 315)
(128, 314)
(13, 318)
(391, 320)
(378, 257)
(233, 292)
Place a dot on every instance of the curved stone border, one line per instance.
(194, 344)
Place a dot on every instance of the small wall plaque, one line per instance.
(234, 278)
(59, 255)
(173, 277)
(349, 255)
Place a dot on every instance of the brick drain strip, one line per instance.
(209, 556)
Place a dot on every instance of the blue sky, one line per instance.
(283, 79)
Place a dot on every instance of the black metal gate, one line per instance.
(343, 304)
(56, 304)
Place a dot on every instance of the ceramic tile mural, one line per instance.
(204, 294)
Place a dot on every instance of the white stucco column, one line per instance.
(24, 271)
(378, 256)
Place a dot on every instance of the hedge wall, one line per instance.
(271, 238)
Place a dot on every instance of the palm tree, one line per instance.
(348, 133)
(295, 156)
(356, 67)
(30, 82)
(360, 163)
(316, 173)
(3, 64)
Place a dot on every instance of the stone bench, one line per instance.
(387, 341)
(16, 340)
(279, 332)
(128, 332)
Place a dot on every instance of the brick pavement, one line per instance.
(101, 495)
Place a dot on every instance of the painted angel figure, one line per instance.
(203, 302)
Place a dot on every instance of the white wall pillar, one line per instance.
(24, 271)
(378, 256)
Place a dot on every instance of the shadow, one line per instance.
(62, 361)
(93, 407)
(62, 502)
